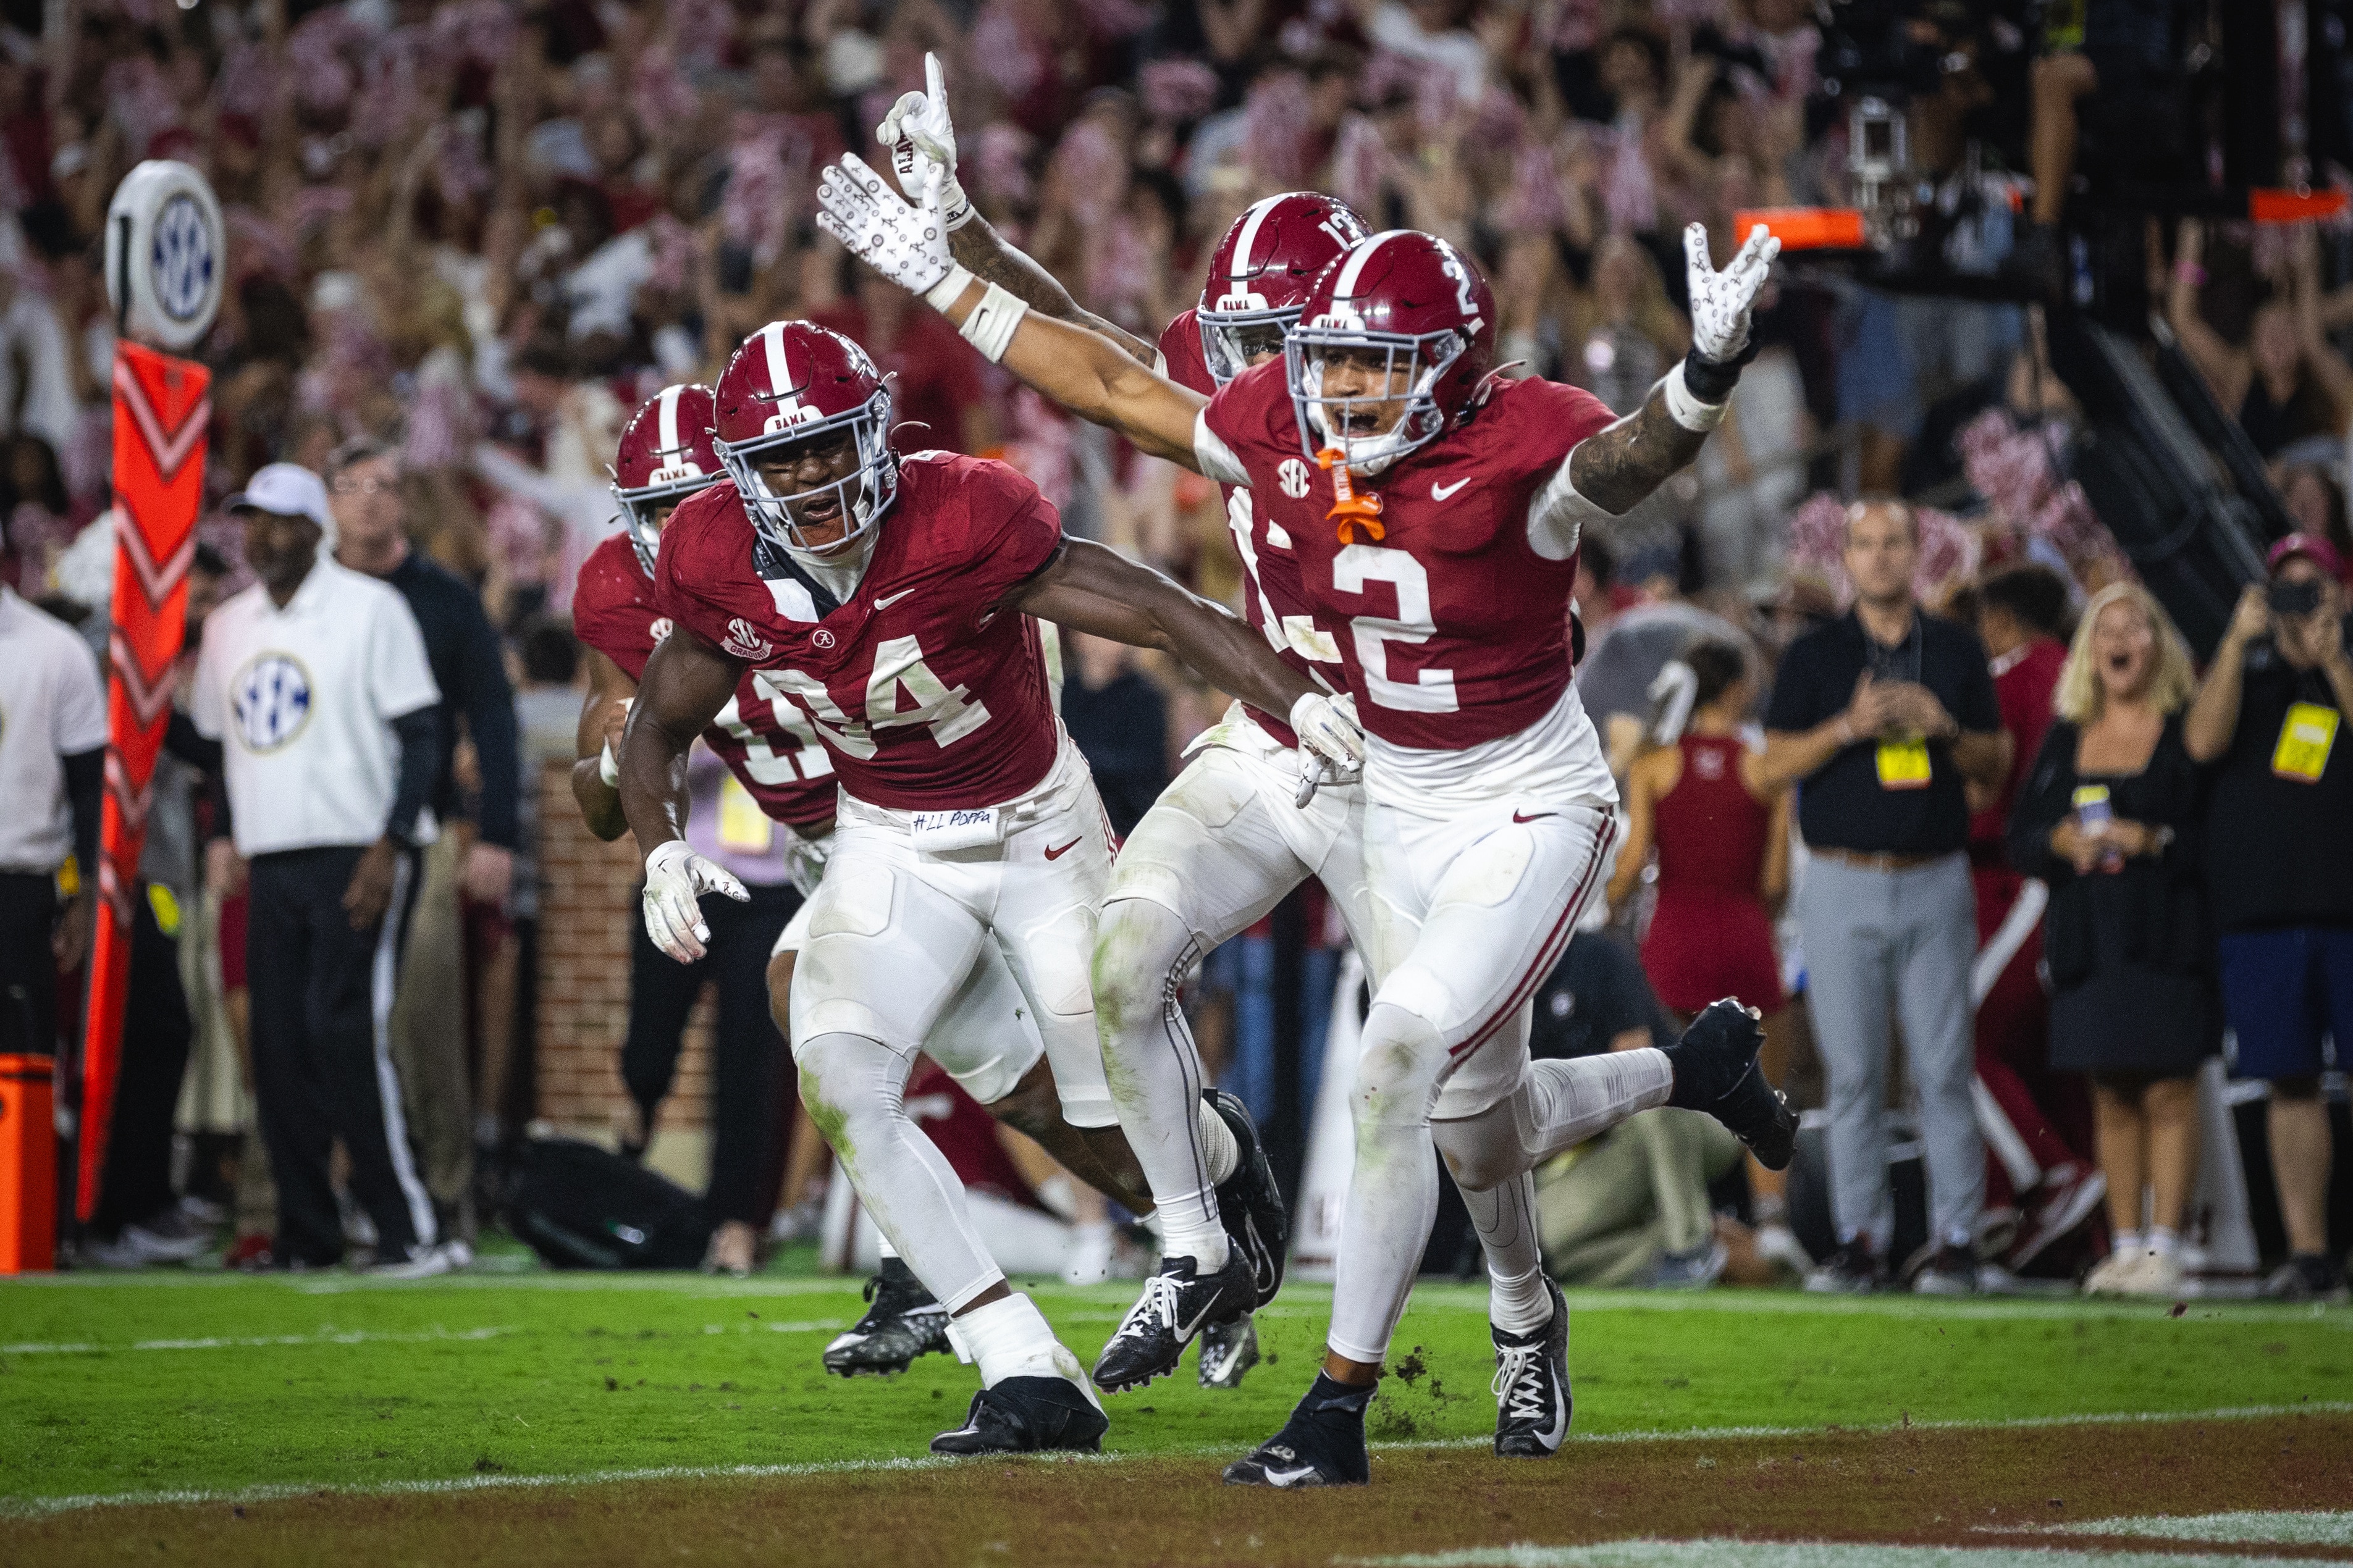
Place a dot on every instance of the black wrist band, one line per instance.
(1712, 381)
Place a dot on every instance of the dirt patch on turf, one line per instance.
(1979, 1488)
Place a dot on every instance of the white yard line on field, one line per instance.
(31, 1506)
(1736, 1553)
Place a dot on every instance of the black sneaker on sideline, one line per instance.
(1250, 1205)
(1852, 1270)
(1531, 1386)
(1227, 1351)
(2307, 1277)
(1177, 1304)
(1716, 1072)
(1322, 1444)
(1027, 1415)
(1948, 1271)
(904, 1322)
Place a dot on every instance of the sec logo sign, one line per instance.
(271, 701)
(1292, 475)
(183, 259)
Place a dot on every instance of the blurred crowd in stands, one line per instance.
(471, 236)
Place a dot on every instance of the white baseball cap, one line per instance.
(291, 490)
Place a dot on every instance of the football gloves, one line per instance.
(675, 878)
(921, 138)
(1327, 727)
(1720, 301)
(907, 244)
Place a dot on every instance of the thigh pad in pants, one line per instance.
(1487, 903)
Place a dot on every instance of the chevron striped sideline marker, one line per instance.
(162, 415)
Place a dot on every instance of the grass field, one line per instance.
(158, 1405)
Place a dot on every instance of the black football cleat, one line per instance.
(1227, 1351)
(904, 1322)
(1027, 1415)
(1250, 1205)
(1532, 1397)
(1177, 1303)
(1716, 1072)
(1322, 1444)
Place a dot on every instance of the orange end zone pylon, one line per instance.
(1805, 228)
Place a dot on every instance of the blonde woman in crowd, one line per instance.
(2110, 819)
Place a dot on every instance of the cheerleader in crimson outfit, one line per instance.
(1723, 842)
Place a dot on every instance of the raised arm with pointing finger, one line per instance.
(1100, 381)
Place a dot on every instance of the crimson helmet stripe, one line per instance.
(1351, 270)
(1239, 269)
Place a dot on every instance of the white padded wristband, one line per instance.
(954, 205)
(1685, 408)
(948, 289)
(608, 767)
(990, 326)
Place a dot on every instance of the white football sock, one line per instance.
(907, 1184)
(1010, 1338)
(1519, 1306)
(1505, 1216)
(1156, 1078)
(2162, 1241)
(2126, 1244)
(1219, 1149)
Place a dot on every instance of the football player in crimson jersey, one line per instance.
(1228, 838)
(1435, 509)
(990, 1046)
(890, 599)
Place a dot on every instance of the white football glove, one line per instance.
(908, 245)
(1720, 301)
(805, 859)
(1327, 727)
(921, 138)
(675, 878)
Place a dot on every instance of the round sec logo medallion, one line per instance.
(1292, 474)
(271, 701)
(183, 259)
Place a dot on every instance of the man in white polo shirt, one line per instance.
(52, 762)
(315, 681)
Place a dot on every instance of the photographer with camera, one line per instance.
(2279, 865)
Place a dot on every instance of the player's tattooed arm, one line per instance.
(980, 250)
(1093, 588)
(1618, 467)
(687, 681)
(595, 777)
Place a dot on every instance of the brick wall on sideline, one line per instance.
(588, 904)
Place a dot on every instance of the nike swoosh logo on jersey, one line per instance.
(886, 603)
(1532, 815)
(1440, 493)
(1065, 849)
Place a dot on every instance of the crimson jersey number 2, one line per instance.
(948, 711)
(1432, 690)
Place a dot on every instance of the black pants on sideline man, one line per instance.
(29, 966)
(136, 1181)
(749, 1054)
(321, 1000)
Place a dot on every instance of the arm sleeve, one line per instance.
(1558, 517)
(1980, 710)
(491, 721)
(85, 791)
(1216, 459)
(191, 745)
(419, 733)
(2047, 797)
(1792, 710)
